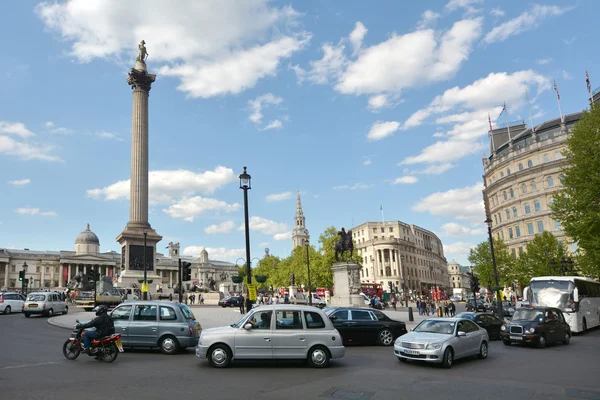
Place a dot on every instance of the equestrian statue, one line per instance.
(344, 244)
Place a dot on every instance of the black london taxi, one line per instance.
(537, 326)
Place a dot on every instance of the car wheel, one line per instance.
(50, 313)
(567, 338)
(219, 356)
(7, 310)
(541, 342)
(318, 357)
(448, 358)
(169, 345)
(385, 337)
(66, 310)
(27, 315)
(483, 350)
(506, 342)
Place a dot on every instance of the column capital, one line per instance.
(139, 79)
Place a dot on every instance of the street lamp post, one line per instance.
(566, 265)
(24, 282)
(245, 186)
(488, 221)
(403, 280)
(145, 287)
(307, 244)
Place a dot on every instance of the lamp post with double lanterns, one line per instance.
(307, 244)
(488, 221)
(245, 185)
(24, 280)
(566, 265)
(145, 284)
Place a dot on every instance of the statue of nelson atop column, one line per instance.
(143, 53)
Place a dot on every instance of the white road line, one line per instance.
(28, 365)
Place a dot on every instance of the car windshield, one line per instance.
(434, 326)
(36, 297)
(551, 293)
(329, 310)
(527, 315)
(465, 315)
(240, 323)
(187, 313)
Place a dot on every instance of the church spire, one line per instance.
(299, 212)
(300, 234)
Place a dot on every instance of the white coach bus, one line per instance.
(577, 297)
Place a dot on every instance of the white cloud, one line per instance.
(454, 229)
(454, 5)
(463, 203)
(214, 47)
(224, 227)
(263, 244)
(215, 253)
(35, 211)
(353, 187)
(406, 180)
(528, 20)
(378, 102)
(458, 250)
(437, 169)
(570, 41)
(283, 236)
(26, 150)
(21, 182)
(444, 152)
(428, 18)
(279, 231)
(261, 102)
(279, 196)
(109, 135)
(357, 35)
(190, 208)
(381, 129)
(15, 128)
(543, 61)
(165, 185)
(367, 162)
(49, 124)
(276, 124)
(497, 12)
(330, 66)
(566, 75)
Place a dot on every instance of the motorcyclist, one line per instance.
(103, 324)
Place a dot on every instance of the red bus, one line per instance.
(371, 289)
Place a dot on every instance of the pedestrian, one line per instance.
(446, 310)
(150, 296)
(419, 306)
(242, 304)
(394, 302)
(452, 308)
(170, 296)
(201, 299)
(286, 299)
(432, 305)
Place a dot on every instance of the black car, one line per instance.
(481, 307)
(359, 325)
(489, 322)
(536, 325)
(232, 301)
(508, 308)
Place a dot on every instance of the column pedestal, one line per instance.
(346, 285)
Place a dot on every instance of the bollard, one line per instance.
(410, 314)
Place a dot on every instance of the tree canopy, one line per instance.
(480, 258)
(577, 206)
(537, 258)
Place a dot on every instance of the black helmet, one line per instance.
(101, 309)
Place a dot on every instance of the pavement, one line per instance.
(32, 367)
(214, 316)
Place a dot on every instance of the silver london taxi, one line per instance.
(281, 331)
(44, 303)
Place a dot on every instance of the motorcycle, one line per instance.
(106, 349)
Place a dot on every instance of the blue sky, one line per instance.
(357, 104)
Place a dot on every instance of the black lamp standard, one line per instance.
(307, 244)
(488, 221)
(403, 280)
(145, 287)
(566, 265)
(25, 282)
(245, 186)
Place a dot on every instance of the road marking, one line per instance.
(28, 365)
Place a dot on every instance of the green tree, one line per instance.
(536, 260)
(327, 240)
(480, 258)
(577, 206)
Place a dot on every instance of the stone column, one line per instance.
(6, 272)
(42, 270)
(68, 273)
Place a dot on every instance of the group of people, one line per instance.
(441, 309)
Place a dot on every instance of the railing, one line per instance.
(510, 123)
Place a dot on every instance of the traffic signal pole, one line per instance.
(180, 293)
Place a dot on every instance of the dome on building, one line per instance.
(87, 237)
(204, 256)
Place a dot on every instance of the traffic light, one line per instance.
(21, 275)
(475, 283)
(186, 271)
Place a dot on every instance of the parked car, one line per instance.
(508, 308)
(538, 326)
(442, 340)
(170, 326)
(358, 325)
(281, 331)
(487, 321)
(11, 302)
(44, 303)
(230, 301)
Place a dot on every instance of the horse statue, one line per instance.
(344, 244)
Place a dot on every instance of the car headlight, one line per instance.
(503, 328)
(433, 346)
(531, 330)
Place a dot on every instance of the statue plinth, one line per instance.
(346, 285)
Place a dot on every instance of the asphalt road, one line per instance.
(32, 367)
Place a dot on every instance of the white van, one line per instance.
(302, 298)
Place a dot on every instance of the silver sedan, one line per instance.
(443, 340)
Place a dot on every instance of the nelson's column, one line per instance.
(135, 246)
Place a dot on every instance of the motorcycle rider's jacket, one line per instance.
(103, 324)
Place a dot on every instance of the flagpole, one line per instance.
(491, 134)
(589, 89)
(529, 107)
(558, 101)
(507, 127)
(382, 219)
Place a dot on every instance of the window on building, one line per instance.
(496, 218)
(550, 182)
(540, 226)
(507, 214)
(507, 171)
(520, 251)
(382, 230)
(557, 226)
(536, 206)
(374, 230)
(514, 253)
(561, 179)
(376, 237)
(523, 188)
(502, 234)
(504, 195)
(510, 233)
(533, 186)
(530, 228)
(518, 231)
(500, 216)
(515, 212)
(557, 155)
(391, 229)
(512, 193)
(527, 208)
(520, 167)
(546, 158)
(529, 164)
(501, 174)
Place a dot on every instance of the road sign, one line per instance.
(496, 288)
(251, 291)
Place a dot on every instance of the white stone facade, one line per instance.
(300, 235)
(459, 278)
(400, 254)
